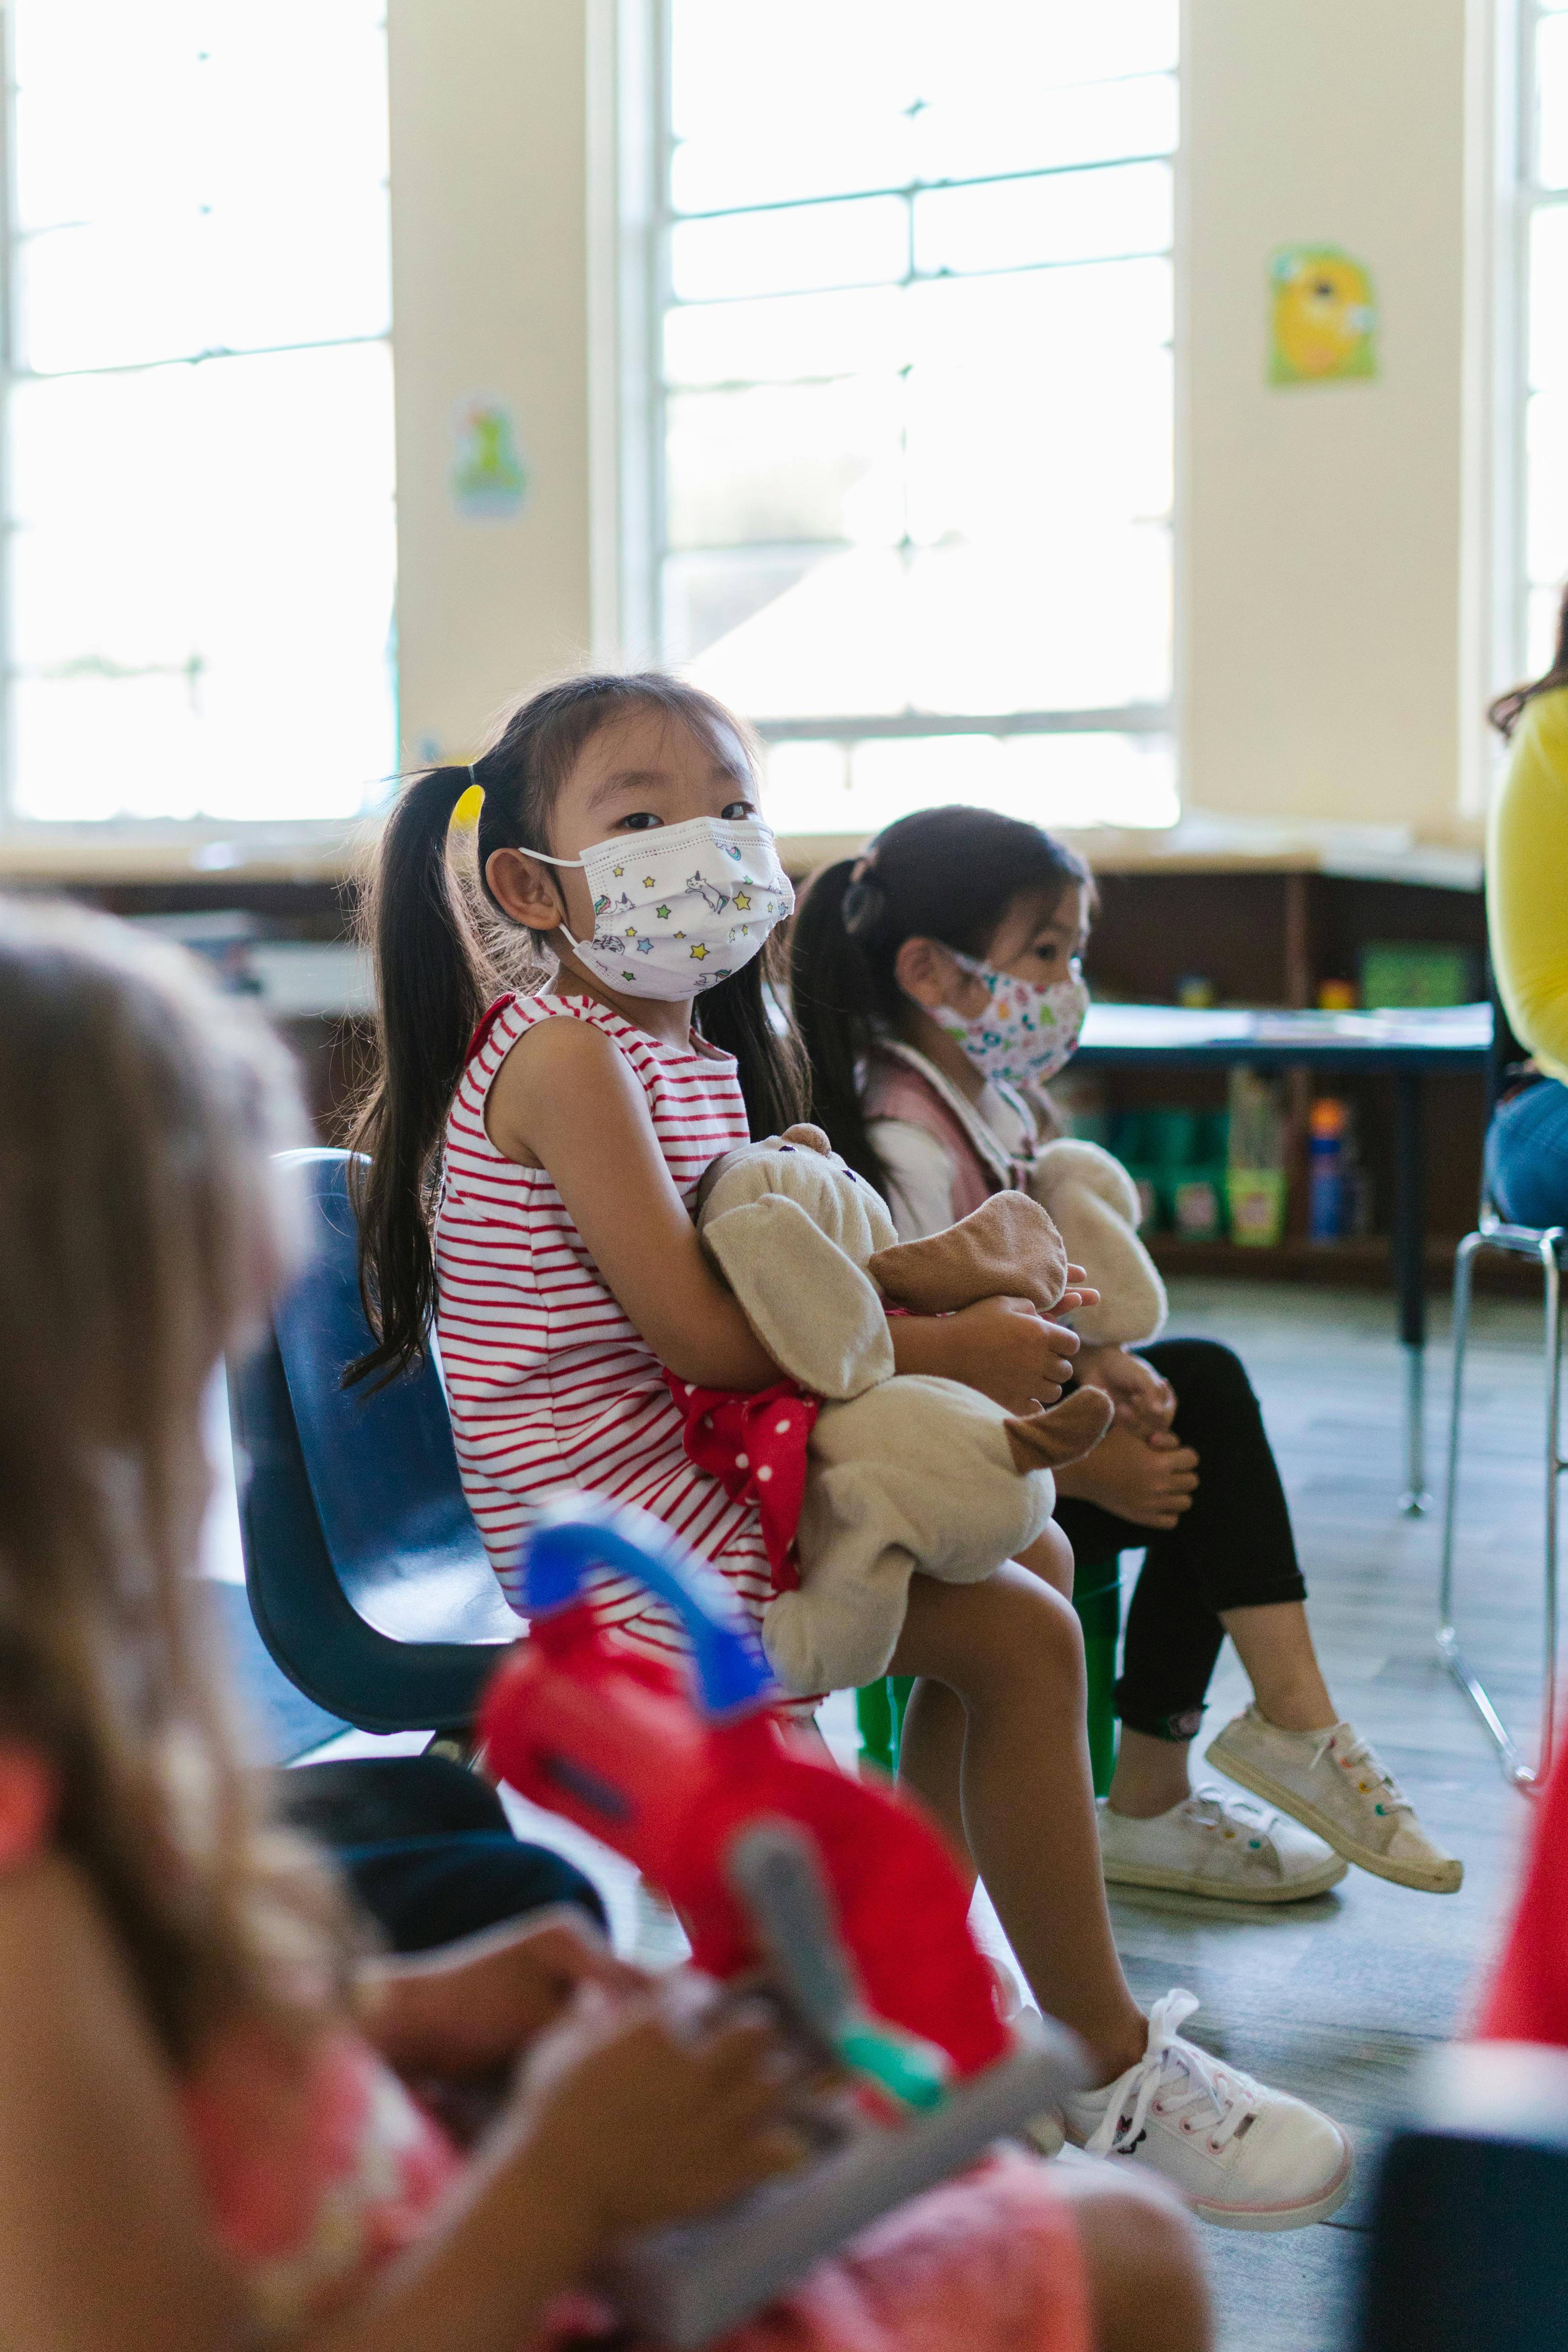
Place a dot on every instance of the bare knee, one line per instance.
(1146, 2281)
(1050, 1557)
(1010, 1640)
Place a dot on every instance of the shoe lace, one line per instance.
(1219, 1810)
(1359, 1756)
(1176, 2078)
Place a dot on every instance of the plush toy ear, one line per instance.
(808, 1303)
(807, 1137)
(1008, 1248)
(1060, 1433)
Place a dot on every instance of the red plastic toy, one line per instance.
(618, 1745)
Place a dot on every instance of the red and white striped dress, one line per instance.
(550, 1385)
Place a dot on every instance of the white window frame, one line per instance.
(635, 98)
(1529, 199)
(216, 844)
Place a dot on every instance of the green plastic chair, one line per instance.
(1097, 1597)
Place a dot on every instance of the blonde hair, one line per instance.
(143, 1228)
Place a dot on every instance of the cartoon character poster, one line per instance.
(490, 479)
(1322, 317)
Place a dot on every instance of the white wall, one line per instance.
(1331, 535)
(1328, 532)
(490, 296)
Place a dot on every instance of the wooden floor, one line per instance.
(1337, 1999)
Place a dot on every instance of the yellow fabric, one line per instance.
(1527, 882)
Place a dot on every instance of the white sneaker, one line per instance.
(1217, 1845)
(1334, 1783)
(1244, 2157)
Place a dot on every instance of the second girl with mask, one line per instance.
(936, 983)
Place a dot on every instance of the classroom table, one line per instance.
(1404, 1046)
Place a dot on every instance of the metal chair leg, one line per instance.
(1464, 1267)
(1545, 1247)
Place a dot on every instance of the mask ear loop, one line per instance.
(543, 856)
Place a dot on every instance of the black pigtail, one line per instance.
(432, 984)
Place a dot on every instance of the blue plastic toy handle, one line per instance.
(578, 1533)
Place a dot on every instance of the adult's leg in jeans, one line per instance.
(995, 1742)
(1527, 1155)
(1229, 1566)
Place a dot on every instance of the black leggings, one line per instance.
(1233, 1549)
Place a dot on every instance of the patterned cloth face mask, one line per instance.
(1026, 1032)
(679, 907)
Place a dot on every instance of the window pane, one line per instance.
(1543, 617)
(1081, 216)
(977, 437)
(1053, 780)
(838, 640)
(787, 337)
(990, 46)
(1548, 298)
(706, 597)
(1547, 441)
(1082, 621)
(960, 139)
(239, 594)
(1101, 313)
(768, 253)
(1100, 450)
(200, 558)
(833, 158)
(171, 228)
(734, 63)
(1552, 70)
(786, 462)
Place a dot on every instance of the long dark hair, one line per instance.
(945, 874)
(435, 975)
(1506, 711)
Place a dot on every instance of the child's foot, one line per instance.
(1217, 1845)
(1333, 1782)
(1244, 2157)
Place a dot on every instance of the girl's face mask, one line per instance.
(1026, 1032)
(679, 907)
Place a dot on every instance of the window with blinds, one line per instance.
(915, 413)
(197, 606)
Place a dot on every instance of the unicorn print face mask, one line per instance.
(1026, 1032)
(679, 907)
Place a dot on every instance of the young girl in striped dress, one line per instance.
(534, 1163)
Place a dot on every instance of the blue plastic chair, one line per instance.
(367, 1579)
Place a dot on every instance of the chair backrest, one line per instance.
(1469, 2222)
(367, 1578)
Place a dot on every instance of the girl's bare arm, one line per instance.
(567, 1100)
(105, 2244)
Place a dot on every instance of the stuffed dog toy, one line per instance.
(903, 1472)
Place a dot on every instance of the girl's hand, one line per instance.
(1149, 1480)
(473, 2006)
(1000, 1346)
(1077, 1293)
(1143, 1402)
(633, 2123)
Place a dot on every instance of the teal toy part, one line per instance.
(577, 1534)
(914, 2073)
